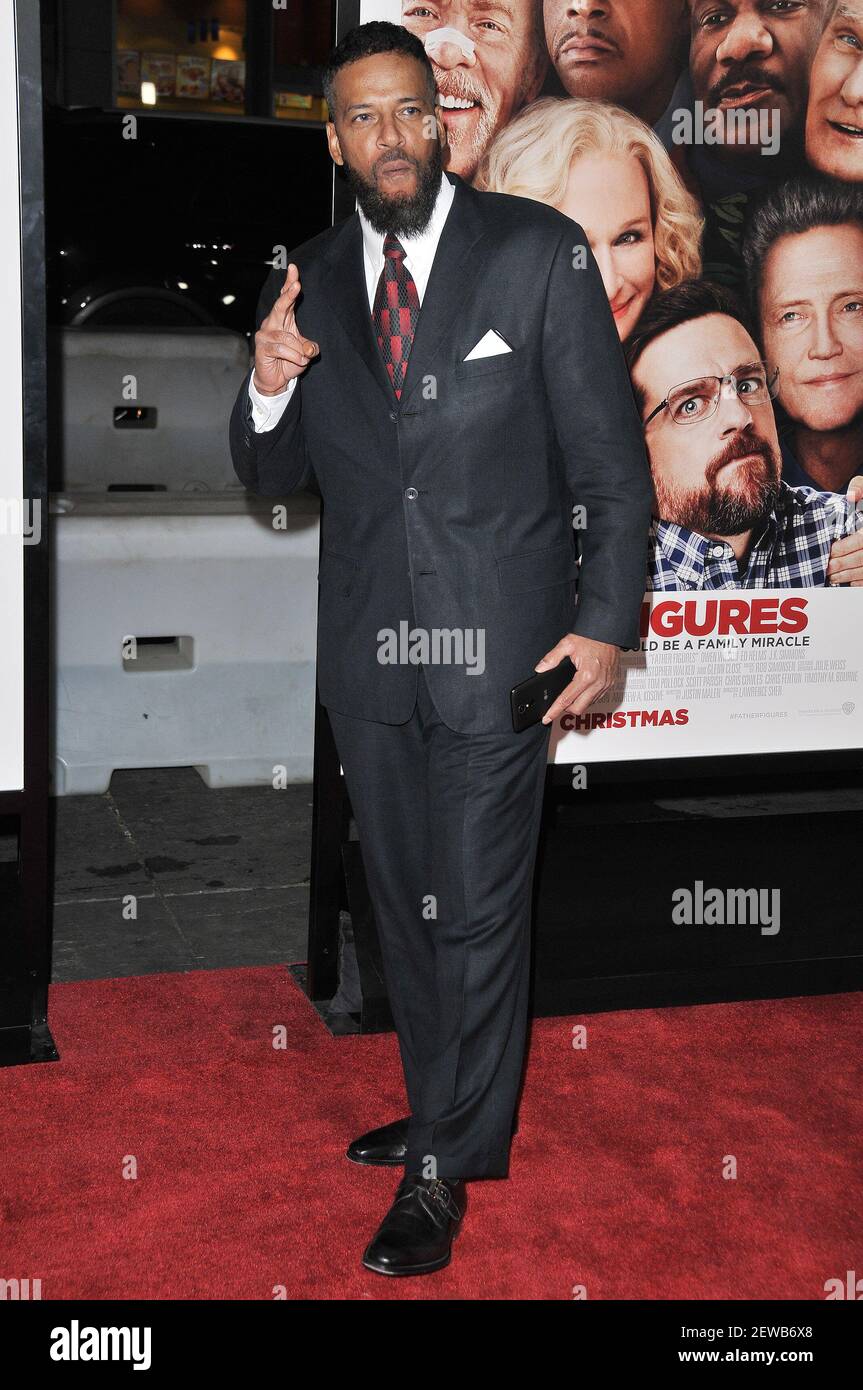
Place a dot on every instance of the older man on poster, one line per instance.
(750, 64)
(834, 119)
(804, 257)
(489, 61)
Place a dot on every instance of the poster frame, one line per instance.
(337, 883)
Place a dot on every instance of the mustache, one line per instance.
(748, 73)
(461, 85)
(747, 442)
(591, 31)
(396, 158)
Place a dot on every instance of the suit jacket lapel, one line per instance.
(452, 272)
(350, 302)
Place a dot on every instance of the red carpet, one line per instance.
(242, 1188)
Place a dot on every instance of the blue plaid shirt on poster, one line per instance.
(792, 551)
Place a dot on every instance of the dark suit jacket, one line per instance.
(451, 509)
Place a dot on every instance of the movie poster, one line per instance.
(712, 153)
(12, 512)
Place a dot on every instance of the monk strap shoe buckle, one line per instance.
(441, 1195)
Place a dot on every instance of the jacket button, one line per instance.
(392, 415)
(411, 494)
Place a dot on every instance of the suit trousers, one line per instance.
(448, 825)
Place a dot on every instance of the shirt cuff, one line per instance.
(267, 411)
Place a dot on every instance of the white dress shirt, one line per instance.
(419, 256)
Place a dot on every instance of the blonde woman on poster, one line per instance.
(606, 170)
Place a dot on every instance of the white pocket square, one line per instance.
(489, 346)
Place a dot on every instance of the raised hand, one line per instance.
(281, 351)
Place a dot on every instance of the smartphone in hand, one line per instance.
(531, 698)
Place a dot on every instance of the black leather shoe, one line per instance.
(385, 1147)
(416, 1235)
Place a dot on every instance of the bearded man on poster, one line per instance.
(456, 386)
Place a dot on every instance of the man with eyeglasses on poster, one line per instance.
(723, 517)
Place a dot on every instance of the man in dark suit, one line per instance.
(465, 388)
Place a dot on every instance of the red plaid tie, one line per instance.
(396, 310)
